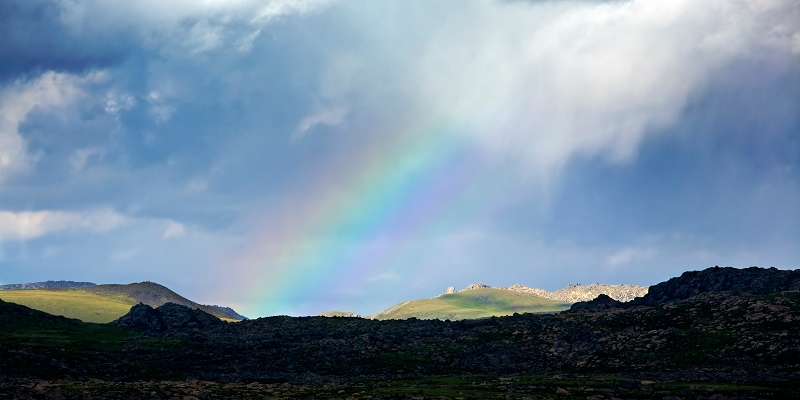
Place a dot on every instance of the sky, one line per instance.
(300, 156)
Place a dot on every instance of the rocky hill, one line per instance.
(471, 304)
(167, 318)
(752, 280)
(568, 294)
(155, 295)
(46, 285)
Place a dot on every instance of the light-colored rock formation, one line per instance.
(339, 314)
(576, 293)
(570, 293)
(477, 286)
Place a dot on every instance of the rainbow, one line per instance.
(422, 186)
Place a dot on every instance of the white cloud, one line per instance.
(49, 91)
(189, 26)
(174, 230)
(34, 224)
(545, 82)
(330, 116)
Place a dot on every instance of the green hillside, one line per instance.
(72, 303)
(156, 295)
(478, 303)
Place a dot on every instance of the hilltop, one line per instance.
(569, 294)
(156, 295)
(474, 303)
(346, 314)
(90, 302)
(480, 301)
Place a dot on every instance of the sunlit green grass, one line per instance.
(479, 303)
(76, 303)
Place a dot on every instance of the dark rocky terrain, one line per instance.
(708, 343)
(752, 280)
(167, 319)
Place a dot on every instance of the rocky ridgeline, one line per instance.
(47, 285)
(570, 293)
(752, 280)
(228, 310)
(346, 314)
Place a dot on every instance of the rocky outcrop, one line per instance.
(477, 286)
(449, 290)
(169, 318)
(344, 314)
(752, 280)
(578, 292)
(141, 317)
(601, 302)
(570, 293)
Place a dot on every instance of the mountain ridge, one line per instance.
(150, 293)
(571, 293)
(156, 295)
(47, 285)
(753, 280)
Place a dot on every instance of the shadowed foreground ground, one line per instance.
(697, 344)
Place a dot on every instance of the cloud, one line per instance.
(34, 224)
(330, 116)
(50, 91)
(184, 26)
(80, 158)
(173, 230)
(74, 37)
(545, 83)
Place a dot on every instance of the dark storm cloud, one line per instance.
(34, 40)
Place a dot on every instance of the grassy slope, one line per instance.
(479, 303)
(155, 295)
(85, 306)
